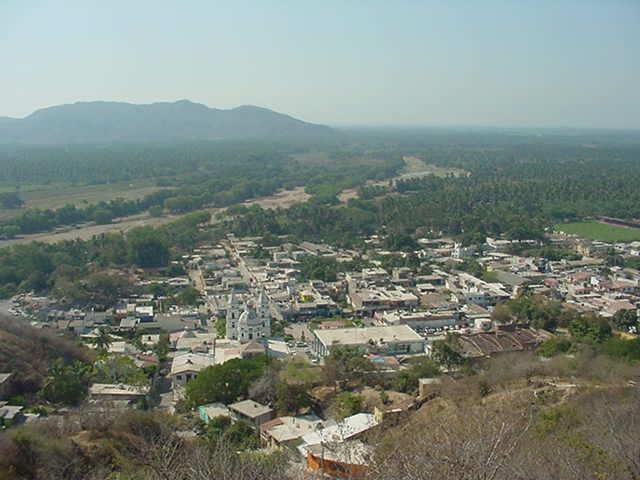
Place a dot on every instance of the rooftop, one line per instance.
(249, 408)
(118, 389)
(191, 362)
(359, 336)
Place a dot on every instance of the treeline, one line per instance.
(515, 190)
(209, 176)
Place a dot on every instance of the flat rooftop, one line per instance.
(359, 336)
(249, 408)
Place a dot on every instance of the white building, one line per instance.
(387, 340)
(250, 321)
(185, 367)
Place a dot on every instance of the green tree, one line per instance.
(67, 384)
(224, 383)
(446, 352)
(103, 339)
(590, 328)
(118, 369)
(625, 319)
(346, 404)
(147, 247)
(407, 380)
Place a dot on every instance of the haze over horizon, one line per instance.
(564, 63)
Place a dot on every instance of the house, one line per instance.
(348, 428)
(385, 340)
(108, 392)
(185, 367)
(337, 450)
(286, 431)
(212, 410)
(340, 460)
(252, 412)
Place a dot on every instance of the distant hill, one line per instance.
(183, 120)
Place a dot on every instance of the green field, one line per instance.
(59, 195)
(600, 231)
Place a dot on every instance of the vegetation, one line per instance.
(600, 231)
(76, 269)
(224, 383)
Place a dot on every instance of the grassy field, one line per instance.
(59, 195)
(600, 231)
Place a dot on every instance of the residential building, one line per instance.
(252, 412)
(286, 431)
(185, 367)
(108, 392)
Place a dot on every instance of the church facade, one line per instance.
(248, 321)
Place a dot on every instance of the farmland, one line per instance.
(600, 231)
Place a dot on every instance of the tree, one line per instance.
(226, 382)
(10, 200)
(625, 319)
(590, 328)
(103, 339)
(102, 216)
(346, 404)
(119, 369)
(67, 384)
(188, 296)
(292, 397)
(407, 380)
(345, 363)
(221, 327)
(445, 352)
(147, 247)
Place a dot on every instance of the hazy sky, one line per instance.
(484, 62)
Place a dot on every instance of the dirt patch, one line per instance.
(282, 199)
(346, 195)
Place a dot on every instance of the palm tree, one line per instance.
(103, 339)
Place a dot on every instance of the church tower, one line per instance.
(233, 317)
(263, 313)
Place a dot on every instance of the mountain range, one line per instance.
(182, 120)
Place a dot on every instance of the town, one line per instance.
(361, 337)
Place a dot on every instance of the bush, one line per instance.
(624, 349)
(590, 329)
(554, 346)
(346, 404)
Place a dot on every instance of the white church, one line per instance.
(248, 321)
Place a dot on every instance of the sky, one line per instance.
(405, 63)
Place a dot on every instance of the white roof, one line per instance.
(284, 429)
(190, 362)
(361, 336)
(343, 430)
